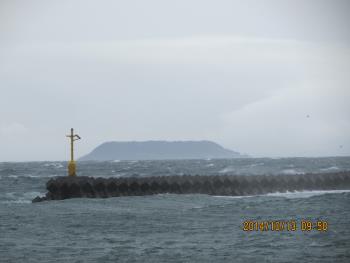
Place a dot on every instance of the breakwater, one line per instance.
(60, 188)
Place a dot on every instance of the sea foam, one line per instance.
(290, 195)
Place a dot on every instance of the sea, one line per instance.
(170, 227)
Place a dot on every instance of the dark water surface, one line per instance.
(170, 228)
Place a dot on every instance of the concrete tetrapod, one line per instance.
(60, 188)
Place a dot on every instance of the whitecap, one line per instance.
(19, 201)
(289, 195)
(31, 195)
(198, 207)
(13, 176)
(33, 176)
(314, 244)
(306, 194)
(115, 161)
(41, 176)
(55, 165)
(227, 170)
(209, 165)
(332, 168)
(119, 174)
(25, 198)
(234, 196)
(291, 171)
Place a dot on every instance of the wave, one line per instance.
(307, 194)
(32, 194)
(290, 195)
(55, 165)
(332, 168)
(31, 176)
(40, 176)
(7, 171)
(19, 201)
(291, 171)
(25, 198)
(256, 164)
(117, 174)
(228, 169)
(234, 196)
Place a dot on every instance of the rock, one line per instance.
(38, 199)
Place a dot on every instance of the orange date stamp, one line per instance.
(285, 225)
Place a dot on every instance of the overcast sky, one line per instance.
(263, 77)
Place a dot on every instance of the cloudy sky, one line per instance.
(262, 77)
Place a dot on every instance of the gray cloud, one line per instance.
(126, 71)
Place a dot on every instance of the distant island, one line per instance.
(159, 150)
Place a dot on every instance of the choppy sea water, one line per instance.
(171, 228)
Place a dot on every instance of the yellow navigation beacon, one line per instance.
(71, 165)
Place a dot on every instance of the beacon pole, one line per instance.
(71, 165)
